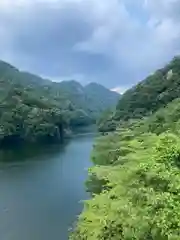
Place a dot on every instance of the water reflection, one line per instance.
(40, 189)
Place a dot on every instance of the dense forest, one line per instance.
(145, 98)
(135, 181)
(154, 92)
(34, 109)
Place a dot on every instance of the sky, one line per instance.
(113, 42)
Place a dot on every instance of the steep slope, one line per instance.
(154, 92)
(93, 98)
(136, 178)
(35, 109)
(28, 112)
(100, 97)
(73, 91)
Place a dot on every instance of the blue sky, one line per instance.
(113, 42)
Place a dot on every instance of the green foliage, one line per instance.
(21, 119)
(100, 98)
(106, 122)
(35, 109)
(135, 181)
(167, 118)
(140, 199)
(93, 99)
(151, 94)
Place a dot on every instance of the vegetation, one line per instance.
(135, 181)
(147, 97)
(151, 94)
(106, 123)
(34, 109)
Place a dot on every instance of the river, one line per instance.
(41, 189)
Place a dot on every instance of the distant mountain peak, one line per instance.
(92, 99)
(94, 84)
(71, 81)
(96, 87)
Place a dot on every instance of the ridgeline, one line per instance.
(33, 109)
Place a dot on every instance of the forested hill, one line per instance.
(145, 98)
(35, 109)
(93, 98)
(154, 92)
(135, 180)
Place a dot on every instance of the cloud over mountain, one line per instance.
(115, 43)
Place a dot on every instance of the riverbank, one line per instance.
(16, 142)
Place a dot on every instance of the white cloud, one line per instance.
(111, 21)
(120, 89)
(142, 46)
(162, 8)
(135, 46)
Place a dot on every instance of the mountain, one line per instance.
(134, 180)
(145, 98)
(35, 109)
(101, 98)
(154, 92)
(93, 98)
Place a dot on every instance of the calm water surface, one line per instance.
(41, 189)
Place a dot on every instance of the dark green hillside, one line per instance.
(34, 109)
(135, 181)
(154, 92)
(24, 117)
(100, 97)
(93, 98)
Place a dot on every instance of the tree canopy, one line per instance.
(154, 92)
(135, 180)
(34, 109)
